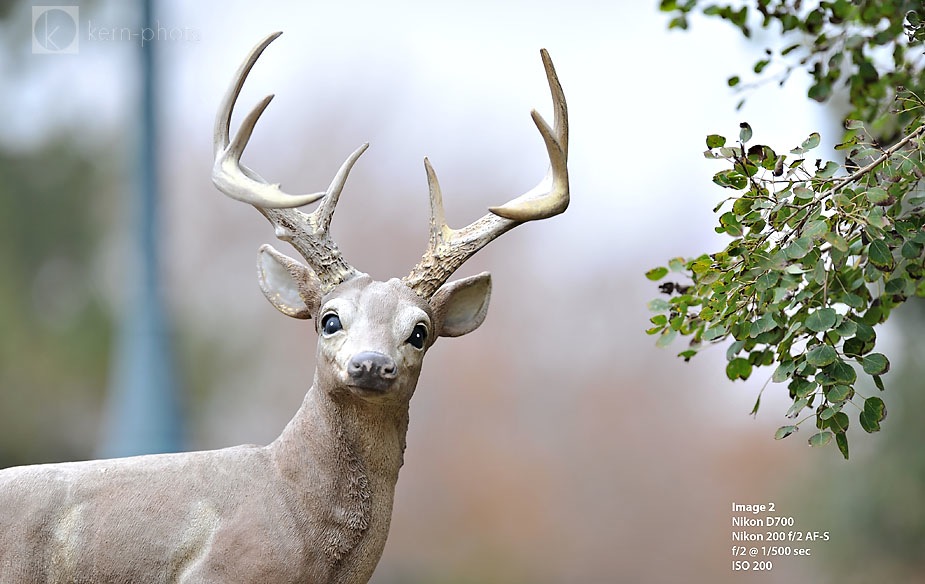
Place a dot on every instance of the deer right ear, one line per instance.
(289, 285)
(460, 306)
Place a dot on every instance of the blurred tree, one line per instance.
(54, 328)
(54, 324)
(821, 251)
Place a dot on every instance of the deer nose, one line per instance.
(372, 370)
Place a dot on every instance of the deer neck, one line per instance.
(330, 429)
(342, 456)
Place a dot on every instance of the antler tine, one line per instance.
(228, 174)
(308, 233)
(439, 230)
(550, 197)
(449, 249)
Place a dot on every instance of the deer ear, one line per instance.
(460, 306)
(289, 285)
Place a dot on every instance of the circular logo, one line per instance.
(55, 30)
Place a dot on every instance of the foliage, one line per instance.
(821, 251)
(879, 498)
(54, 323)
(871, 48)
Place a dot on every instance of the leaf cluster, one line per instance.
(820, 253)
(868, 48)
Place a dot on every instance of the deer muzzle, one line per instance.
(372, 370)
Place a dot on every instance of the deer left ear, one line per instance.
(460, 306)
(289, 285)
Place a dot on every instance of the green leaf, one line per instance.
(762, 325)
(820, 438)
(811, 142)
(784, 431)
(875, 408)
(714, 332)
(841, 373)
(869, 424)
(666, 338)
(821, 320)
(846, 328)
(715, 141)
(837, 241)
(873, 413)
(797, 407)
(838, 393)
(801, 192)
(839, 423)
(911, 250)
(657, 273)
(734, 349)
(880, 255)
(659, 305)
(820, 91)
(828, 412)
(842, 440)
(828, 170)
(821, 355)
(877, 195)
(875, 364)
(855, 347)
(766, 281)
(730, 224)
(755, 407)
(799, 248)
(878, 382)
(866, 332)
(738, 368)
(745, 132)
(784, 371)
(731, 179)
(816, 229)
(802, 387)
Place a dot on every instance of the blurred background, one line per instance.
(556, 444)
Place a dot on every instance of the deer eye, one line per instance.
(330, 324)
(418, 336)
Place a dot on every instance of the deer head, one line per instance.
(373, 335)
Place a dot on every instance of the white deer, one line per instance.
(315, 504)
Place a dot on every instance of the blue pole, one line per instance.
(143, 413)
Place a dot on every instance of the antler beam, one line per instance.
(449, 248)
(308, 233)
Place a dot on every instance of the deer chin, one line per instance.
(377, 397)
(379, 387)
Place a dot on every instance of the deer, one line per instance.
(315, 504)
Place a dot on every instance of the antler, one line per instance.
(308, 233)
(449, 249)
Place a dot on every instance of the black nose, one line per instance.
(372, 370)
